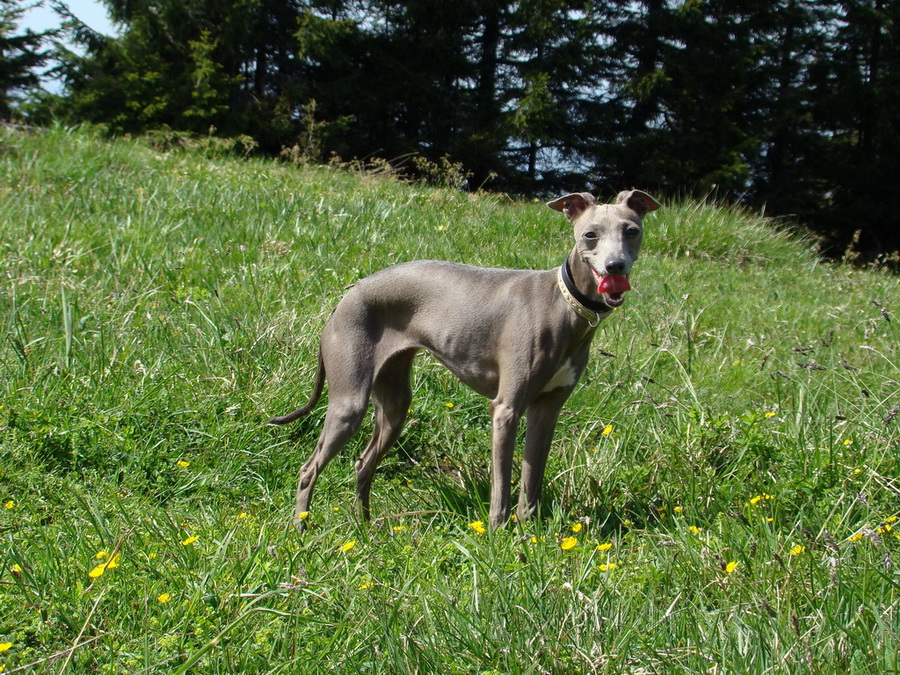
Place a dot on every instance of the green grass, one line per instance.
(735, 439)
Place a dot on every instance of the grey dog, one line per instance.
(519, 337)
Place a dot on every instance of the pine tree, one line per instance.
(21, 54)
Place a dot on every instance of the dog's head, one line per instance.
(608, 236)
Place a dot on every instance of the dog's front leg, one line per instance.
(542, 417)
(505, 420)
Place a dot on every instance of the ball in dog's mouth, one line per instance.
(614, 287)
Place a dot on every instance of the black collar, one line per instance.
(598, 307)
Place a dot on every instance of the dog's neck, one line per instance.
(578, 286)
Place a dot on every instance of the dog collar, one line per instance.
(590, 310)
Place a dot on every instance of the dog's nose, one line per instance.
(615, 266)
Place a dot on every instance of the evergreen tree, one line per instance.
(21, 54)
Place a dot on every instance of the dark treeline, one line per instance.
(790, 105)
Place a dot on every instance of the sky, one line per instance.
(41, 18)
(91, 12)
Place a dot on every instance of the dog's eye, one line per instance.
(590, 235)
(632, 232)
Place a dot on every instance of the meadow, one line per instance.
(722, 495)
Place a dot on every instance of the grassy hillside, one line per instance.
(721, 496)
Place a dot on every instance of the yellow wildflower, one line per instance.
(604, 547)
(164, 598)
(608, 567)
(576, 527)
(855, 537)
(731, 567)
(478, 526)
(16, 568)
(769, 414)
(847, 442)
(366, 585)
(303, 515)
(9, 504)
(399, 528)
(101, 554)
(694, 529)
(189, 541)
(183, 464)
(568, 543)
(113, 562)
(448, 405)
(607, 430)
(348, 546)
(241, 515)
(5, 646)
(797, 549)
(97, 571)
(678, 509)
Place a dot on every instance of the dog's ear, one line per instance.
(638, 201)
(572, 205)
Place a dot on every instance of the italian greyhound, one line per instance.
(519, 337)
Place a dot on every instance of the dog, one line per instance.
(519, 337)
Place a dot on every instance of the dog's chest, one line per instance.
(566, 376)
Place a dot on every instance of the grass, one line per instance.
(729, 461)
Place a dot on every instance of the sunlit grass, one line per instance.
(722, 494)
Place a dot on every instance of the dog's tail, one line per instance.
(317, 392)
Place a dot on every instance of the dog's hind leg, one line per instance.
(346, 409)
(392, 395)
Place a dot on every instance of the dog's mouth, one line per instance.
(612, 286)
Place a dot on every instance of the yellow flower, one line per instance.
(101, 555)
(604, 547)
(97, 571)
(189, 541)
(608, 567)
(731, 567)
(478, 526)
(694, 529)
(5, 646)
(164, 598)
(892, 519)
(366, 585)
(607, 430)
(183, 464)
(758, 498)
(797, 549)
(769, 414)
(113, 562)
(16, 569)
(448, 405)
(399, 528)
(567, 543)
(576, 527)
(855, 537)
(848, 441)
(303, 515)
(241, 515)
(348, 546)
(678, 509)
(10, 504)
